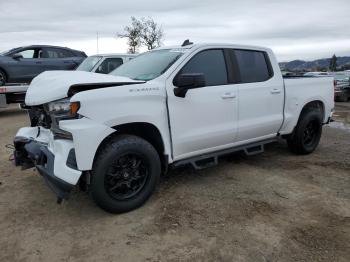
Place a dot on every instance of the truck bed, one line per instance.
(301, 90)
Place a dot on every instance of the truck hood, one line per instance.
(53, 85)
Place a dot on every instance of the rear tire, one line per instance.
(306, 135)
(3, 78)
(125, 174)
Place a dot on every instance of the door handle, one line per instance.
(228, 95)
(38, 62)
(275, 91)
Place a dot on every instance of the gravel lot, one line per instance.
(271, 207)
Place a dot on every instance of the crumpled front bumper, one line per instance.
(53, 158)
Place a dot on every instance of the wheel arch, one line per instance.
(315, 105)
(145, 130)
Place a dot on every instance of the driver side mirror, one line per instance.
(17, 56)
(184, 82)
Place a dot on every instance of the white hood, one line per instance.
(53, 85)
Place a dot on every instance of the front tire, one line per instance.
(307, 133)
(125, 174)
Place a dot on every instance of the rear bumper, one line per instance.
(54, 159)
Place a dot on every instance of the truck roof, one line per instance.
(115, 54)
(217, 45)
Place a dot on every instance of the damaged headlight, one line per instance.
(64, 107)
(62, 110)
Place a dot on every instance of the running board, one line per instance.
(212, 159)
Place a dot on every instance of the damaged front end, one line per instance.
(30, 153)
(48, 148)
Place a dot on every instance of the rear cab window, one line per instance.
(251, 66)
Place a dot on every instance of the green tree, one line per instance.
(333, 63)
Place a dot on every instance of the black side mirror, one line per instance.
(184, 82)
(17, 56)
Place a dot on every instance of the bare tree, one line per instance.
(142, 31)
(151, 33)
(132, 33)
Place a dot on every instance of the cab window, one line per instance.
(253, 66)
(211, 63)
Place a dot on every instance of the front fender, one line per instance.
(141, 103)
(87, 136)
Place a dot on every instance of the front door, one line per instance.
(27, 66)
(206, 118)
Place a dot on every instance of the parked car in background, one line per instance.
(341, 87)
(104, 64)
(22, 64)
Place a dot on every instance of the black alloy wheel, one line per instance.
(125, 173)
(126, 177)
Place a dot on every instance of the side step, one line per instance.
(254, 150)
(212, 159)
(206, 162)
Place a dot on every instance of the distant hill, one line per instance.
(316, 65)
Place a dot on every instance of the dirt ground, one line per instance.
(270, 207)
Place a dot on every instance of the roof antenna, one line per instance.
(186, 42)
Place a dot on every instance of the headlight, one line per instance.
(64, 107)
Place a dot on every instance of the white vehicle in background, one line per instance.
(116, 134)
(104, 63)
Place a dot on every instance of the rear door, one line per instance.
(206, 118)
(261, 95)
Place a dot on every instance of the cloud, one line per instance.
(293, 29)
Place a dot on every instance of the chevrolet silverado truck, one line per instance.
(115, 135)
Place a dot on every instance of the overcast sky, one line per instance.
(293, 29)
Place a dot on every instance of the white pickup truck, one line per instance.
(115, 135)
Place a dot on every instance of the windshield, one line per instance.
(8, 51)
(149, 65)
(89, 63)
